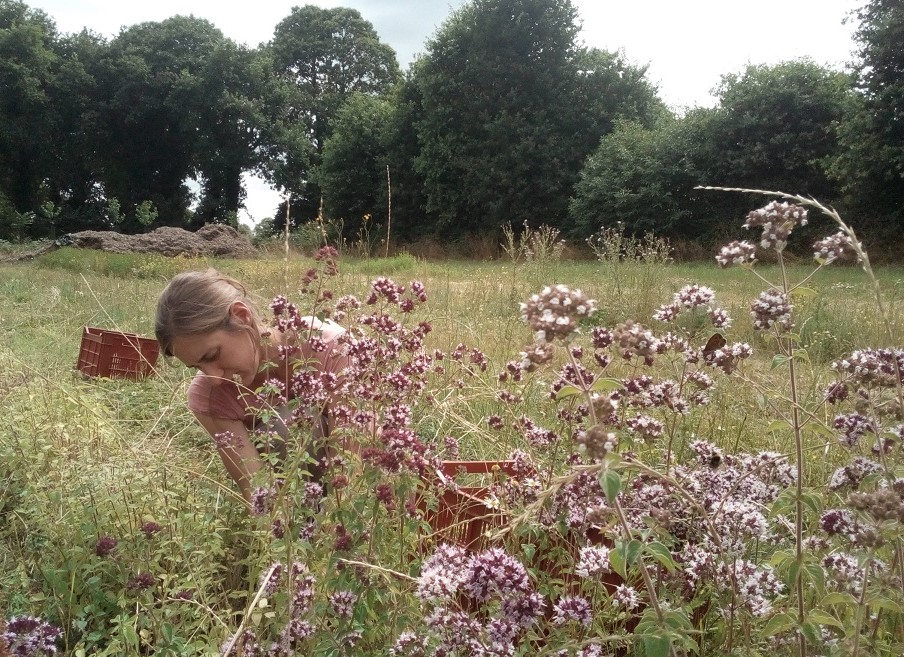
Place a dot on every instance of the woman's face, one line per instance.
(223, 354)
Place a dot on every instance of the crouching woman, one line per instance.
(207, 321)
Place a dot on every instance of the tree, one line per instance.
(644, 178)
(610, 88)
(236, 91)
(27, 65)
(74, 178)
(325, 56)
(871, 167)
(776, 127)
(510, 112)
(152, 79)
(402, 150)
(352, 174)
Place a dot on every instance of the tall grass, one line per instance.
(83, 460)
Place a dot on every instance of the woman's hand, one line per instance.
(238, 453)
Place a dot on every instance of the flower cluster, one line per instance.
(757, 585)
(727, 357)
(29, 637)
(737, 253)
(105, 546)
(777, 219)
(555, 312)
(835, 247)
(343, 603)
(691, 297)
(636, 340)
(871, 368)
(592, 560)
(502, 602)
(572, 608)
(772, 309)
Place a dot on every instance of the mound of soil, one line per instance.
(211, 240)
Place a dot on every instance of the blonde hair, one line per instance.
(198, 302)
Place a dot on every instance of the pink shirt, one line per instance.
(228, 400)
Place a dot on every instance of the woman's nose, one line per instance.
(216, 374)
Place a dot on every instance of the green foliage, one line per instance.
(13, 225)
(542, 244)
(788, 114)
(120, 265)
(774, 127)
(612, 244)
(146, 213)
(152, 76)
(403, 263)
(29, 65)
(506, 118)
(510, 107)
(353, 172)
(870, 168)
(640, 177)
(323, 56)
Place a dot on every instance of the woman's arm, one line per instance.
(240, 456)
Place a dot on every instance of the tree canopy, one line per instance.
(506, 119)
(511, 106)
(325, 56)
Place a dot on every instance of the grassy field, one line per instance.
(82, 459)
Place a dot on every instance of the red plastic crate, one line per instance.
(461, 516)
(115, 354)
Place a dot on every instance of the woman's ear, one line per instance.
(241, 313)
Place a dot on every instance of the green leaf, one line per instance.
(820, 429)
(838, 598)
(617, 561)
(821, 617)
(778, 360)
(803, 293)
(529, 549)
(881, 602)
(780, 557)
(778, 624)
(662, 554)
(815, 576)
(778, 425)
(811, 501)
(129, 634)
(633, 551)
(801, 354)
(606, 385)
(657, 645)
(567, 391)
(611, 483)
(811, 632)
(793, 572)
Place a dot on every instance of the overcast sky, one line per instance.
(688, 45)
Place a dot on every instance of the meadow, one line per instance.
(671, 499)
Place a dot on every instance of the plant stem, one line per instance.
(799, 491)
(861, 605)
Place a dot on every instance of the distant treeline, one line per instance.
(504, 119)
